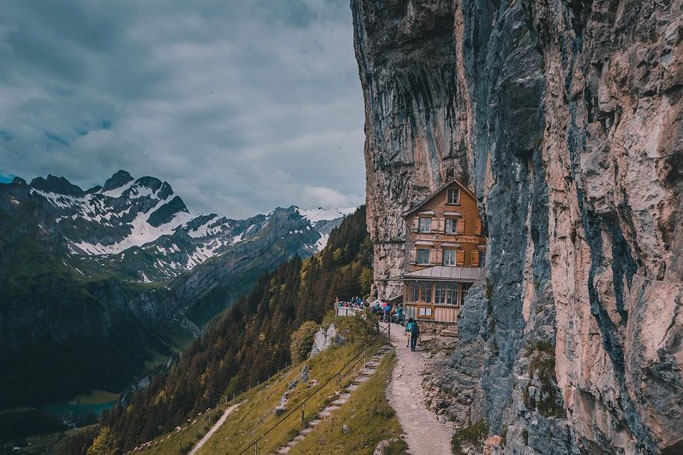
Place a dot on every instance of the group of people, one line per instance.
(353, 302)
(387, 313)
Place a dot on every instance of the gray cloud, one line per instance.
(242, 106)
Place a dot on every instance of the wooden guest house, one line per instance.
(445, 251)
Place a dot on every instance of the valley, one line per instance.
(102, 287)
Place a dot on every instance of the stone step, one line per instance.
(361, 379)
(364, 374)
(343, 398)
(450, 331)
(327, 411)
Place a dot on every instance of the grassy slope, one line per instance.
(248, 342)
(368, 414)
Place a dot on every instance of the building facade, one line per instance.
(445, 252)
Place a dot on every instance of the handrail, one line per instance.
(354, 359)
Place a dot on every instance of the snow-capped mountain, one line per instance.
(116, 275)
(142, 217)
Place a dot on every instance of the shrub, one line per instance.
(366, 279)
(302, 339)
(474, 434)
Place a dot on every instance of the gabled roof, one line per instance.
(445, 273)
(438, 190)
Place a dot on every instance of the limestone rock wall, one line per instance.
(564, 117)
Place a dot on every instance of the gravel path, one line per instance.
(425, 434)
(213, 429)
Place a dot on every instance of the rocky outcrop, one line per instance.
(325, 339)
(564, 117)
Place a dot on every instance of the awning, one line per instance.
(445, 273)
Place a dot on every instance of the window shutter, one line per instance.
(460, 257)
(461, 226)
(477, 227)
(475, 258)
(413, 256)
(416, 222)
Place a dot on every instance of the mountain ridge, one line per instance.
(73, 321)
(128, 212)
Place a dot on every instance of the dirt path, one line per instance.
(425, 434)
(213, 429)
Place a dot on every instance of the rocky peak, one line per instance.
(57, 185)
(167, 212)
(117, 180)
(152, 183)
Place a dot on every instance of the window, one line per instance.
(454, 195)
(423, 256)
(452, 294)
(421, 292)
(415, 292)
(425, 225)
(440, 294)
(448, 257)
(446, 293)
(454, 226)
(426, 292)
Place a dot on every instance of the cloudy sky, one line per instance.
(241, 105)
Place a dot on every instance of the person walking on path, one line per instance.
(414, 330)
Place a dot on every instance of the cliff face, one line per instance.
(564, 117)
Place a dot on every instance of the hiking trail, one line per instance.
(215, 428)
(425, 433)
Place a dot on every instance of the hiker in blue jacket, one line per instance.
(414, 330)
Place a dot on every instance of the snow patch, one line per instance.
(322, 242)
(321, 214)
(60, 201)
(117, 192)
(207, 229)
(141, 234)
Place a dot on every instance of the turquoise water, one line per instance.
(66, 410)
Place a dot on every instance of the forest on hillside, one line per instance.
(248, 342)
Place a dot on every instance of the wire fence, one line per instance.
(339, 375)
